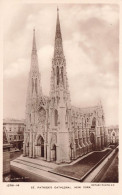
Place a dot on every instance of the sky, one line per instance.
(90, 35)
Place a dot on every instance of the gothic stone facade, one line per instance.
(55, 130)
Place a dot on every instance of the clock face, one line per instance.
(42, 116)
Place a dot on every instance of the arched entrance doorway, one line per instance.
(56, 117)
(40, 144)
(92, 140)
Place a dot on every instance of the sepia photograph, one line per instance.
(61, 93)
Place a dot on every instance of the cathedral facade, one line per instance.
(55, 130)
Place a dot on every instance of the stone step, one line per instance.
(34, 165)
(36, 173)
(38, 161)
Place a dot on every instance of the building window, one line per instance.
(53, 72)
(36, 85)
(30, 118)
(22, 128)
(62, 74)
(42, 116)
(57, 75)
(32, 84)
(76, 142)
(78, 134)
(56, 117)
(82, 122)
(94, 122)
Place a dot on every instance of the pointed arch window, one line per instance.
(94, 122)
(53, 72)
(36, 85)
(30, 118)
(103, 118)
(32, 84)
(42, 116)
(66, 117)
(40, 141)
(62, 74)
(57, 75)
(56, 117)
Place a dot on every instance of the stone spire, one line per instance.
(58, 50)
(60, 107)
(34, 57)
(58, 30)
(59, 81)
(34, 94)
(34, 89)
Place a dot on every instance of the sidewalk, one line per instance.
(35, 174)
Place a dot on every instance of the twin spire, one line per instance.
(58, 50)
(57, 35)
(58, 59)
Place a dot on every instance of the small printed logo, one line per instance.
(7, 179)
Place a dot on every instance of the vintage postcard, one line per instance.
(60, 79)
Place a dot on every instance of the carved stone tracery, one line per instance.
(41, 117)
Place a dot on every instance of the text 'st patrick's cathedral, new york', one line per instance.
(56, 130)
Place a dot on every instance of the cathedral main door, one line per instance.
(40, 144)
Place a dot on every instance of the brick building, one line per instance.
(14, 130)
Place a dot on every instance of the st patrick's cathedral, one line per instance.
(55, 130)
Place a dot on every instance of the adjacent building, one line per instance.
(113, 134)
(14, 130)
(55, 129)
(6, 155)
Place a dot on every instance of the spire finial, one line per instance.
(34, 41)
(58, 31)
